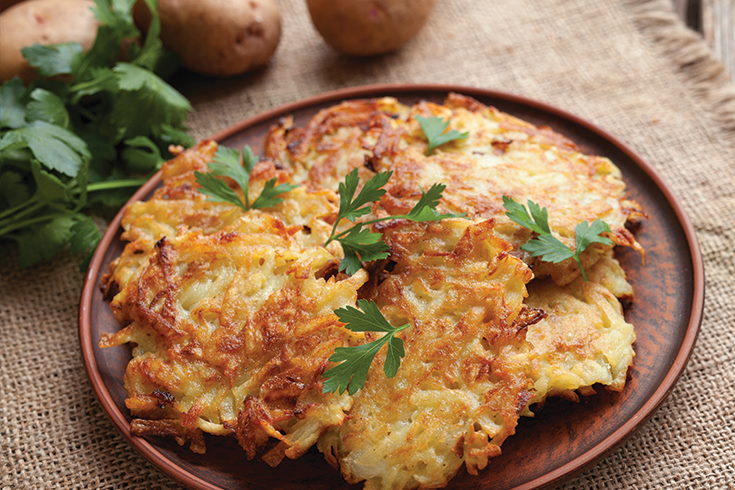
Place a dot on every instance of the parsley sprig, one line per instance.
(83, 141)
(238, 166)
(433, 128)
(546, 245)
(359, 243)
(355, 362)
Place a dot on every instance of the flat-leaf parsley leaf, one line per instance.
(433, 128)
(358, 243)
(83, 142)
(546, 245)
(238, 167)
(351, 373)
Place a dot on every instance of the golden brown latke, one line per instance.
(503, 156)
(455, 399)
(231, 312)
(231, 315)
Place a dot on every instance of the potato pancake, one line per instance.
(502, 156)
(232, 317)
(455, 398)
(584, 338)
(231, 313)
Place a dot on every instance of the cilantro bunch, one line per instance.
(85, 133)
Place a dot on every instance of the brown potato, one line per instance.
(218, 38)
(42, 22)
(367, 27)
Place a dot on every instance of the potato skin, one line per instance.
(218, 38)
(368, 27)
(42, 22)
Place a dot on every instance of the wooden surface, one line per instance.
(715, 20)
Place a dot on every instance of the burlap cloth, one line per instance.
(630, 67)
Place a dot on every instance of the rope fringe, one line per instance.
(700, 70)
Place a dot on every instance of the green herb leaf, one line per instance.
(170, 135)
(368, 320)
(12, 109)
(47, 106)
(53, 59)
(393, 356)
(269, 195)
(100, 80)
(217, 189)
(141, 155)
(116, 24)
(433, 128)
(228, 162)
(152, 50)
(55, 147)
(84, 238)
(42, 241)
(549, 248)
(12, 188)
(425, 208)
(69, 143)
(546, 245)
(361, 245)
(131, 77)
(352, 372)
(536, 221)
(116, 14)
(352, 209)
(138, 88)
(587, 234)
(49, 188)
(238, 166)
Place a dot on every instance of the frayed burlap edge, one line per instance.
(695, 62)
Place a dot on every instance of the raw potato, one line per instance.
(367, 27)
(219, 38)
(42, 22)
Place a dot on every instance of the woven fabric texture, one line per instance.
(630, 67)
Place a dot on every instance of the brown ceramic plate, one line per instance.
(564, 436)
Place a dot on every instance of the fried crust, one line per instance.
(230, 314)
(455, 399)
(503, 156)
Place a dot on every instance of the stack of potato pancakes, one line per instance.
(231, 313)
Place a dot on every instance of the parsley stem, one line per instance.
(23, 212)
(115, 184)
(32, 204)
(578, 259)
(363, 223)
(28, 222)
(332, 236)
(29, 210)
(17, 208)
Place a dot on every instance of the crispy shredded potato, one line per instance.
(503, 155)
(584, 338)
(454, 399)
(231, 313)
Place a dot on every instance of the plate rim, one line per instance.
(152, 454)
